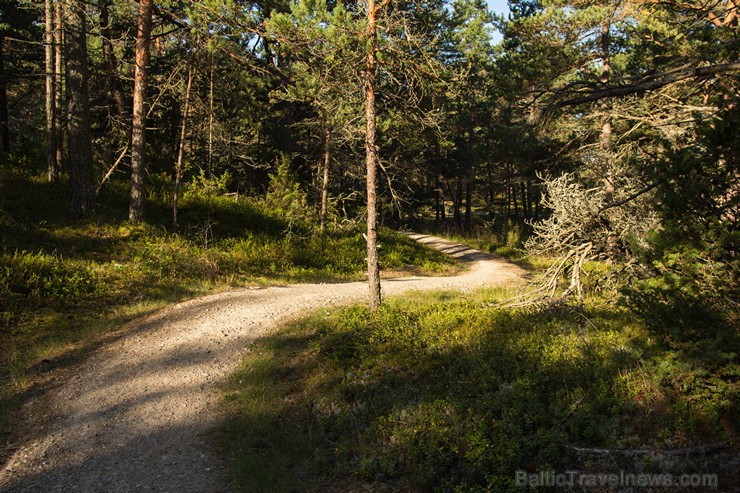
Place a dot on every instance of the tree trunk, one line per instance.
(507, 203)
(210, 119)
(469, 177)
(138, 126)
(437, 201)
(181, 148)
(435, 190)
(525, 200)
(51, 131)
(111, 64)
(58, 86)
(78, 112)
(325, 178)
(4, 124)
(606, 127)
(371, 157)
(468, 204)
(491, 193)
(457, 202)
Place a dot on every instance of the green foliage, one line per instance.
(204, 186)
(689, 290)
(62, 282)
(285, 197)
(41, 279)
(445, 393)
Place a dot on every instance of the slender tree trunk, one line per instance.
(4, 123)
(371, 157)
(181, 148)
(514, 196)
(468, 204)
(457, 201)
(78, 112)
(59, 82)
(439, 212)
(507, 203)
(525, 200)
(491, 193)
(51, 151)
(325, 178)
(111, 64)
(138, 127)
(210, 119)
(606, 127)
(437, 202)
(469, 176)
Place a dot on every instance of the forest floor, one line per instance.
(137, 415)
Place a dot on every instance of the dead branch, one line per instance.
(111, 170)
(650, 83)
(686, 451)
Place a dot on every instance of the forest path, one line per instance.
(137, 414)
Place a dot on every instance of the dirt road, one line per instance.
(136, 417)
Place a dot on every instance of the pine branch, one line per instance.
(649, 84)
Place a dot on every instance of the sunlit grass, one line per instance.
(64, 283)
(447, 392)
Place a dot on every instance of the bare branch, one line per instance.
(650, 83)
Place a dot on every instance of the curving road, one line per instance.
(137, 414)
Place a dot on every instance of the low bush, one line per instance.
(63, 282)
(449, 394)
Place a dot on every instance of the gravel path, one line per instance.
(137, 414)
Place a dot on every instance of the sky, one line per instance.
(499, 7)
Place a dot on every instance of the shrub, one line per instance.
(31, 279)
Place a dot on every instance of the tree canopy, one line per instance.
(601, 126)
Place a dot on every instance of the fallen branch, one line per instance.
(547, 288)
(111, 170)
(698, 450)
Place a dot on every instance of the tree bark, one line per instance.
(210, 119)
(606, 128)
(457, 199)
(138, 130)
(435, 161)
(181, 148)
(525, 200)
(81, 177)
(4, 123)
(468, 204)
(325, 177)
(371, 156)
(59, 85)
(111, 64)
(51, 151)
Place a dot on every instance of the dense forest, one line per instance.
(613, 122)
(601, 135)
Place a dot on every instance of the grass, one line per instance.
(448, 393)
(63, 283)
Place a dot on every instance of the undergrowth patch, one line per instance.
(449, 393)
(63, 282)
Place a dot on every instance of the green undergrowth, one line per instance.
(447, 392)
(63, 282)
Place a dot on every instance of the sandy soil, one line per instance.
(137, 414)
